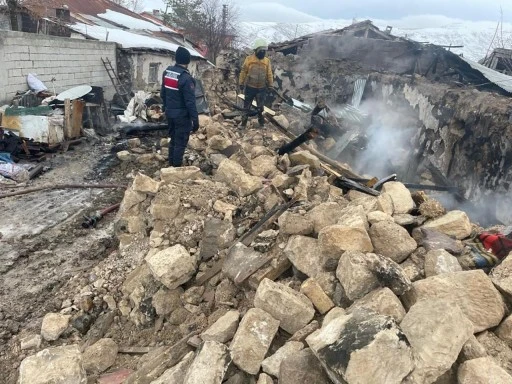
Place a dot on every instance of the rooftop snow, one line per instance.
(132, 22)
(127, 39)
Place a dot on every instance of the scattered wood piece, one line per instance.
(63, 186)
(154, 368)
(134, 350)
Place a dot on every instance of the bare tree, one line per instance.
(212, 23)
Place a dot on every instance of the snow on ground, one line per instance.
(476, 37)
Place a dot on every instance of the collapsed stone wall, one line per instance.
(464, 133)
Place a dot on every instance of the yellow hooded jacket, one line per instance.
(256, 73)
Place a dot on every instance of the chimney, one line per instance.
(156, 12)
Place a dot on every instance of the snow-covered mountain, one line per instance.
(476, 37)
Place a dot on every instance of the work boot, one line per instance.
(244, 122)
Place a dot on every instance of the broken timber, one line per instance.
(248, 238)
(329, 165)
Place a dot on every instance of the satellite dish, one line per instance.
(75, 93)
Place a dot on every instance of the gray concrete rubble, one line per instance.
(247, 267)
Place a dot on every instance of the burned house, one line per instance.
(432, 115)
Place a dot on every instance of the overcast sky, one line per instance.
(293, 11)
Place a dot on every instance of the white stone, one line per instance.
(392, 240)
(483, 371)
(173, 266)
(382, 301)
(235, 177)
(100, 356)
(293, 309)
(439, 261)
(178, 174)
(362, 348)
(437, 349)
(472, 291)
(176, 374)
(54, 325)
(62, 365)
(210, 364)
(272, 364)
(223, 329)
(253, 339)
(454, 223)
(145, 184)
(355, 277)
(400, 195)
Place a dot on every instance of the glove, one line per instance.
(195, 125)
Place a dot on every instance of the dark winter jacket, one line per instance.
(178, 94)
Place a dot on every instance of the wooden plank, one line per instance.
(135, 350)
(77, 115)
(68, 130)
(154, 368)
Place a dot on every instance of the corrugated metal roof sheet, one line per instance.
(501, 80)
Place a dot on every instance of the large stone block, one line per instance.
(363, 348)
(316, 294)
(173, 266)
(62, 365)
(272, 364)
(337, 239)
(234, 176)
(472, 291)
(392, 240)
(210, 364)
(178, 174)
(400, 195)
(439, 261)
(176, 374)
(383, 301)
(324, 215)
(145, 184)
(295, 224)
(223, 329)
(302, 367)
(291, 308)
(253, 339)
(100, 356)
(435, 351)
(483, 371)
(454, 223)
(54, 325)
(306, 255)
(354, 275)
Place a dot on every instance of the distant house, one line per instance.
(500, 60)
(145, 47)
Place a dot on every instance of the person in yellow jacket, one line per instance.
(255, 79)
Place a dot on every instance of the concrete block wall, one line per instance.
(71, 62)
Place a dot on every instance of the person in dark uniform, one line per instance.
(178, 95)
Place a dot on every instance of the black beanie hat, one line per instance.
(182, 56)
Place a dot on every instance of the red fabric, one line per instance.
(500, 245)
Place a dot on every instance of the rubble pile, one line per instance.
(247, 267)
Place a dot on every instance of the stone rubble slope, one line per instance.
(340, 288)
